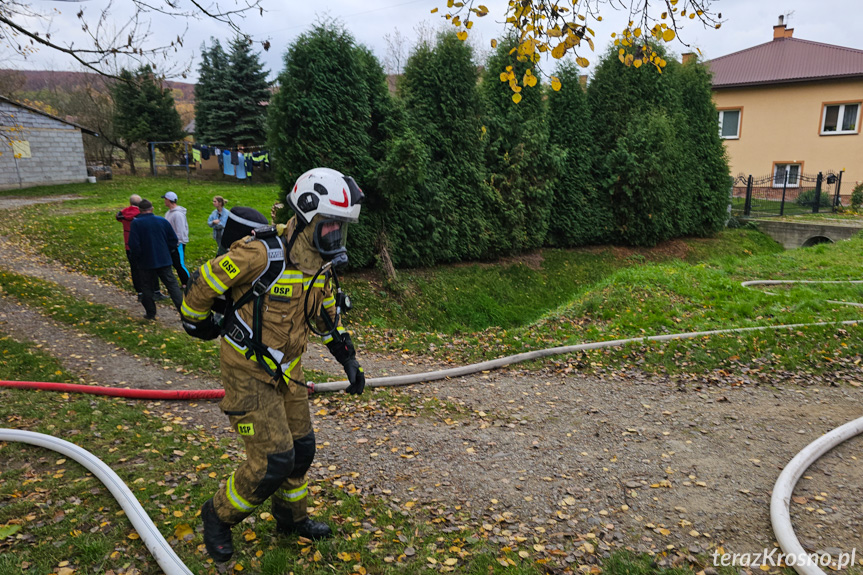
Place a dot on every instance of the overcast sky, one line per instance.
(746, 23)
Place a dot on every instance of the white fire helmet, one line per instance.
(328, 200)
(328, 193)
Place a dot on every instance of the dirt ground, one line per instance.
(619, 459)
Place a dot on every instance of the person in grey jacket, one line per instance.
(177, 217)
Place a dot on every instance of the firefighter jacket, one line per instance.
(283, 326)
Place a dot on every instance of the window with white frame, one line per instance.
(729, 124)
(781, 171)
(840, 119)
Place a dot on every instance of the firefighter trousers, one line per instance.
(275, 426)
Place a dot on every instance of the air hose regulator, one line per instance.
(343, 301)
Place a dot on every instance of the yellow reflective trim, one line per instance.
(319, 283)
(236, 500)
(329, 302)
(212, 280)
(192, 313)
(328, 338)
(233, 344)
(287, 370)
(296, 494)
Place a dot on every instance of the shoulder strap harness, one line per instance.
(246, 339)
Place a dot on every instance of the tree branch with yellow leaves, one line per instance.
(559, 28)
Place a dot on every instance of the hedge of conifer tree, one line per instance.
(455, 170)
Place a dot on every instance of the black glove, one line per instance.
(355, 376)
(205, 329)
(342, 348)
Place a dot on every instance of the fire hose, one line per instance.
(172, 565)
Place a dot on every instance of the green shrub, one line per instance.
(857, 197)
(807, 199)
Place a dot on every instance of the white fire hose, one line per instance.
(779, 504)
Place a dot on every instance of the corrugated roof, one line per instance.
(786, 60)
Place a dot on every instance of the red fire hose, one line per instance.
(119, 392)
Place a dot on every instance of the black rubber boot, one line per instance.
(308, 527)
(217, 535)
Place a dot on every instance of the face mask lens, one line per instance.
(330, 236)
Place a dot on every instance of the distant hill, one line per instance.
(35, 80)
(15, 82)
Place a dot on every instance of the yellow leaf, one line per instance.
(493, 43)
(637, 64)
(468, 24)
(637, 32)
(461, 35)
(504, 76)
(531, 81)
(516, 98)
(555, 32)
(133, 536)
(558, 51)
(668, 35)
(434, 10)
(451, 561)
(183, 530)
(583, 62)
(238, 567)
(555, 84)
(344, 556)
(317, 556)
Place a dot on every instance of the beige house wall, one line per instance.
(782, 123)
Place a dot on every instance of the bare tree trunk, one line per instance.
(384, 255)
(130, 156)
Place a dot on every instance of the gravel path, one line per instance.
(622, 459)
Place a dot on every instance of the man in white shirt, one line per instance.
(177, 217)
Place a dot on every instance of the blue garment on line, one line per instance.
(226, 163)
(241, 166)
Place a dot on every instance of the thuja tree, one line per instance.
(644, 156)
(320, 115)
(448, 218)
(707, 155)
(522, 165)
(651, 184)
(329, 112)
(582, 212)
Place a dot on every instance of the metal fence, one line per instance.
(786, 192)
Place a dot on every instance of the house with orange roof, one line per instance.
(791, 105)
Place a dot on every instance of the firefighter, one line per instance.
(265, 277)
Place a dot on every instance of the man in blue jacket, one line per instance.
(151, 240)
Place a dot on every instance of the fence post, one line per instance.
(153, 156)
(186, 159)
(836, 199)
(747, 205)
(817, 193)
(784, 187)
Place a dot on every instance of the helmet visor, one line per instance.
(330, 237)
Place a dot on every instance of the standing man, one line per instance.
(268, 277)
(177, 217)
(125, 217)
(151, 240)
